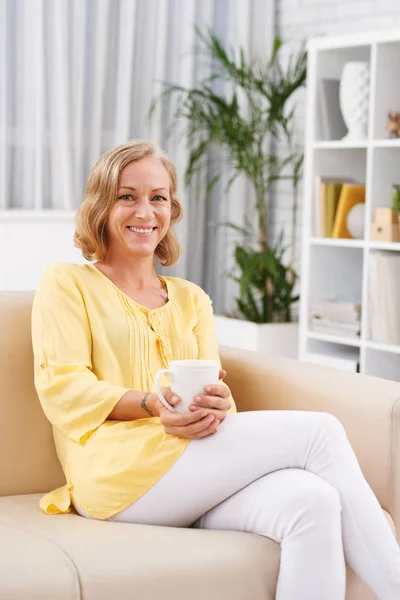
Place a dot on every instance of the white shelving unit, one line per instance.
(334, 267)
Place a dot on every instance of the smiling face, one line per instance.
(141, 215)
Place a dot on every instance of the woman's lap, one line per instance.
(247, 446)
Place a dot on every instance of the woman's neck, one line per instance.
(138, 274)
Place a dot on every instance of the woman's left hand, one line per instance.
(215, 400)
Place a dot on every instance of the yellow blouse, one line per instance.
(92, 343)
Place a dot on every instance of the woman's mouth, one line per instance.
(142, 230)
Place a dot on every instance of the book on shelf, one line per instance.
(334, 197)
(343, 306)
(336, 331)
(384, 297)
(327, 323)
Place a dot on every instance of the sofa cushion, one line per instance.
(28, 460)
(69, 558)
(122, 561)
(33, 567)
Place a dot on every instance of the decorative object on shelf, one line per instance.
(350, 195)
(332, 125)
(355, 221)
(396, 200)
(393, 124)
(354, 99)
(385, 227)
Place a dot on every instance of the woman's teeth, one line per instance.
(139, 230)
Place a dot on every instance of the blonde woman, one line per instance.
(100, 333)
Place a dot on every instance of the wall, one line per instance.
(24, 256)
(301, 19)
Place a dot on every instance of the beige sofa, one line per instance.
(65, 557)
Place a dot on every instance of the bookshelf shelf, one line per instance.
(390, 246)
(350, 269)
(392, 348)
(341, 243)
(339, 145)
(334, 339)
(386, 143)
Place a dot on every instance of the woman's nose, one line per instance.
(143, 209)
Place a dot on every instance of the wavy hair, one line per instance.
(101, 193)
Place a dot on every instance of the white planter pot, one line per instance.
(280, 339)
(354, 99)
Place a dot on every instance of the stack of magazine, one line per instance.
(335, 317)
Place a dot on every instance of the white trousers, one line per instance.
(291, 476)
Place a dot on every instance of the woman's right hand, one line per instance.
(192, 425)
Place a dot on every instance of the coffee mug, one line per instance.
(188, 379)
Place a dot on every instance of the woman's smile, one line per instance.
(141, 231)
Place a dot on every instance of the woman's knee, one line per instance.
(321, 502)
(305, 503)
(329, 423)
(312, 496)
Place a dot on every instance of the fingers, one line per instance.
(202, 428)
(222, 374)
(173, 419)
(217, 390)
(218, 414)
(170, 397)
(209, 430)
(194, 429)
(216, 402)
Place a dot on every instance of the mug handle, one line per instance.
(158, 389)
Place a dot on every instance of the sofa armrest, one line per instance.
(368, 408)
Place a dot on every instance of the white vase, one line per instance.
(354, 99)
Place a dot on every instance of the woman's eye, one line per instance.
(126, 197)
(160, 198)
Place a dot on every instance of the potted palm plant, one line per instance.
(253, 125)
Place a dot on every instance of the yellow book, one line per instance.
(331, 203)
(322, 208)
(349, 196)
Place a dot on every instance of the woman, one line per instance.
(100, 333)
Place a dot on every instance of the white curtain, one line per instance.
(77, 77)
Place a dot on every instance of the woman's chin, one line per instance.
(141, 249)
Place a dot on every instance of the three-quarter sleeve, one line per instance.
(74, 400)
(204, 331)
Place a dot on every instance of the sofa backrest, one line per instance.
(28, 460)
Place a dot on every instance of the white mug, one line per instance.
(188, 379)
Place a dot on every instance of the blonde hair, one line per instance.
(101, 193)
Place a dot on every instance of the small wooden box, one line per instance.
(385, 216)
(385, 233)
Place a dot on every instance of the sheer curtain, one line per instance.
(77, 77)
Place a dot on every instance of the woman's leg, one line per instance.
(252, 444)
(301, 512)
